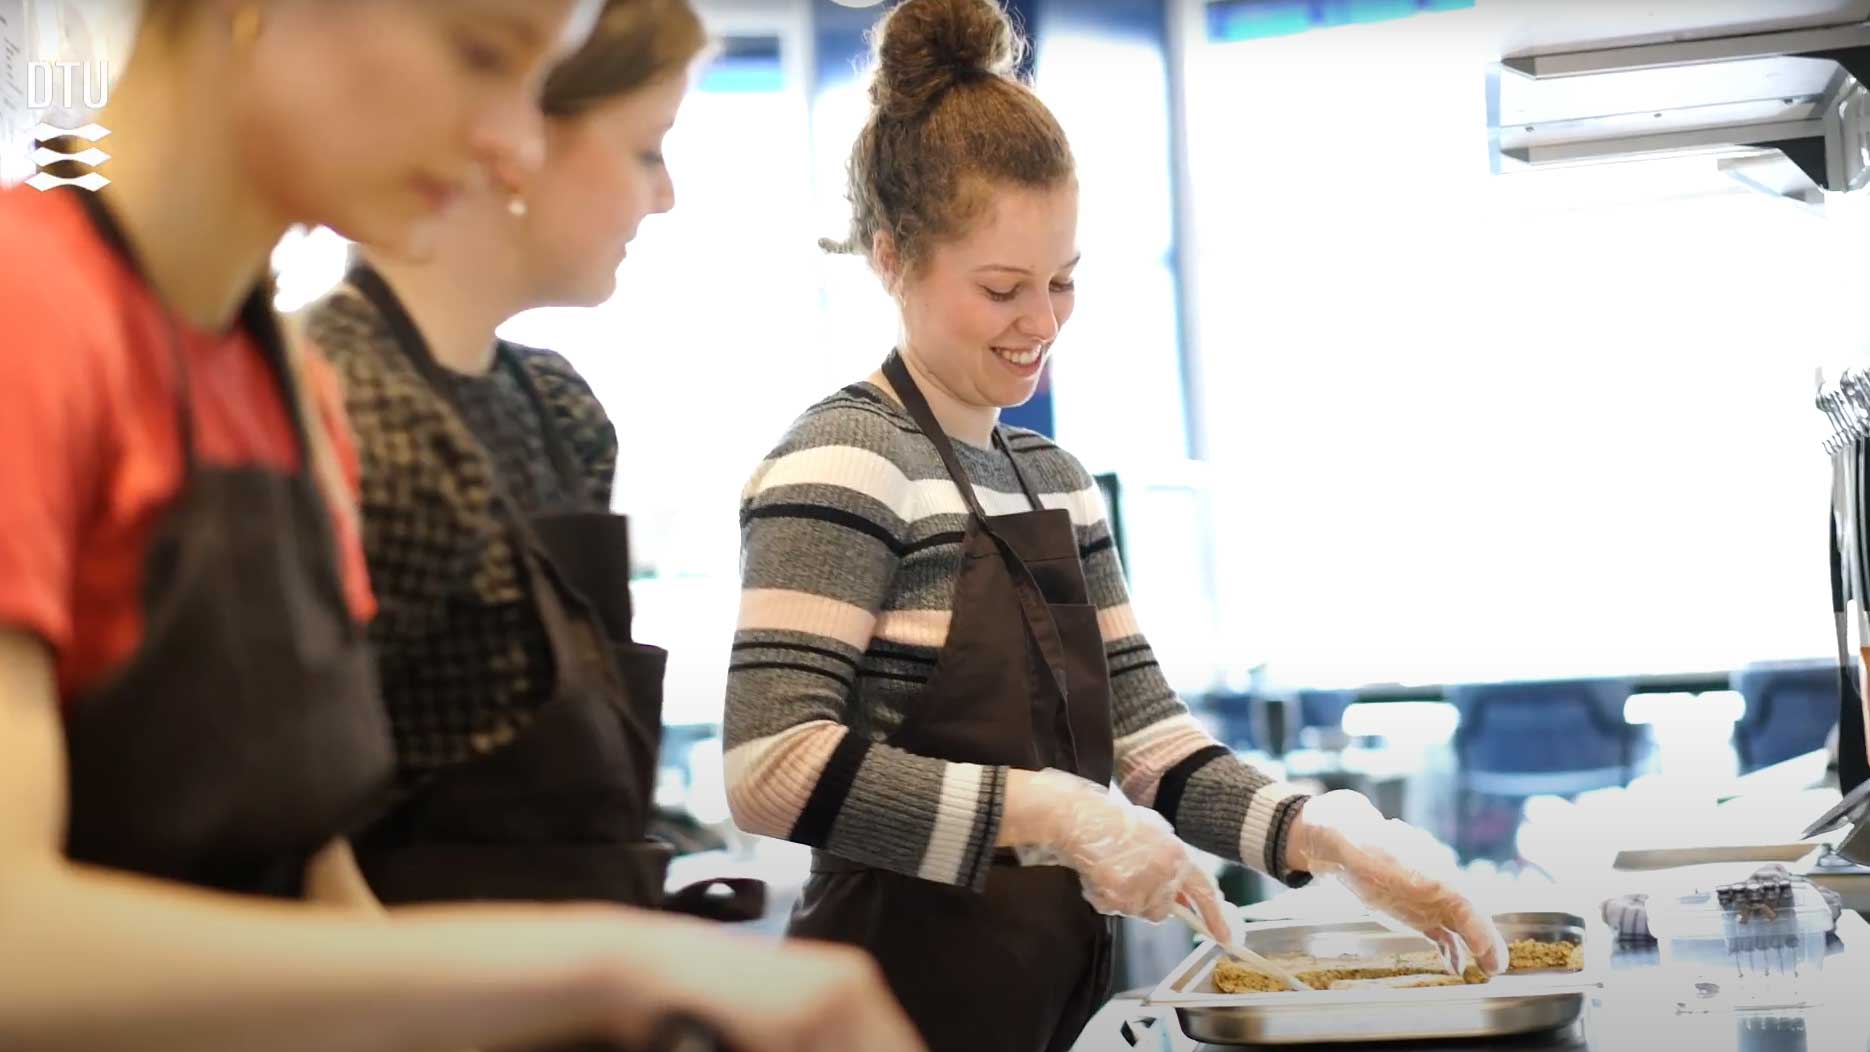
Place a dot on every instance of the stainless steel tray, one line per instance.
(1510, 1004)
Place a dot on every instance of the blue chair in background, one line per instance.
(1324, 709)
(1791, 708)
(1517, 740)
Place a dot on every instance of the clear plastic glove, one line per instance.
(1386, 864)
(1127, 857)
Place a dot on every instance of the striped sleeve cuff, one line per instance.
(1276, 850)
(1269, 818)
(967, 822)
(880, 806)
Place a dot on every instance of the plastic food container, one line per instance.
(1743, 959)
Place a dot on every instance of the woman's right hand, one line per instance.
(1130, 862)
(763, 995)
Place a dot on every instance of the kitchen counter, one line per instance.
(1634, 1012)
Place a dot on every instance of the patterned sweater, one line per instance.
(461, 651)
(851, 545)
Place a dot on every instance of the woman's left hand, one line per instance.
(1385, 863)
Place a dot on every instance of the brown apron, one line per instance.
(245, 733)
(561, 812)
(1022, 682)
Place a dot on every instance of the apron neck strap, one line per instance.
(897, 373)
(262, 325)
(1025, 484)
(1033, 608)
(558, 447)
(109, 231)
(256, 317)
(403, 332)
(415, 347)
(560, 601)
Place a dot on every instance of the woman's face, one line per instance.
(604, 174)
(982, 311)
(374, 117)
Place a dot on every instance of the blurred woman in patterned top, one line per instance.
(527, 722)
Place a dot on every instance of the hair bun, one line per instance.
(925, 47)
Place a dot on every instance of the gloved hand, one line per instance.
(1129, 860)
(1385, 863)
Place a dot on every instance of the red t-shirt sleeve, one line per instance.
(327, 396)
(52, 423)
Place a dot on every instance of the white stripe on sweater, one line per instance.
(846, 467)
(784, 609)
(1257, 831)
(1118, 622)
(867, 473)
(942, 497)
(916, 628)
(770, 779)
(955, 815)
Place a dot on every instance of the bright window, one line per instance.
(1468, 427)
(1118, 393)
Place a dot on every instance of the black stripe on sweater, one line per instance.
(866, 393)
(789, 666)
(797, 648)
(936, 541)
(979, 845)
(896, 676)
(858, 396)
(835, 516)
(1175, 782)
(834, 786)
(883, 649)
(1276, 843)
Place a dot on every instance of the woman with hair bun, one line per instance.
(936, 675)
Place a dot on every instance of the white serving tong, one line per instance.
(1236, 950)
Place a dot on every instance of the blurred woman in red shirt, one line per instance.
(188, 720)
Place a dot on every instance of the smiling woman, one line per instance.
(936, 657)
(905, 561)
